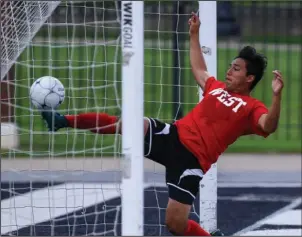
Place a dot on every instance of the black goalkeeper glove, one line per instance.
(54, 121)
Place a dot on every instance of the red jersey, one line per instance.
(218, 121)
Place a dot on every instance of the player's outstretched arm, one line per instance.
(198, 64)
(269, 122)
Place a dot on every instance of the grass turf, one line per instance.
(92, 81)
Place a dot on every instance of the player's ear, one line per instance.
(250, 78)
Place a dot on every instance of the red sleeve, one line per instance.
(95, 122)
(211, 84)
(257, 112)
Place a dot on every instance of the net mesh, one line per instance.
(67, 183)
(20, 21)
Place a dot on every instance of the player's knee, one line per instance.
(176, 225)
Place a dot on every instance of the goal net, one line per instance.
(20, 21)
(69, 182)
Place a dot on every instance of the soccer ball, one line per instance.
(47, 93)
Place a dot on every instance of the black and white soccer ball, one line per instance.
(47, 93)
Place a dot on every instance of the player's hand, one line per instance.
(194, 24)
(277, 83)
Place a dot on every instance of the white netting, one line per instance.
(79, 45)
(20, 21)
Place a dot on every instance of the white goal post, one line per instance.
(132, 33)
(208, 186)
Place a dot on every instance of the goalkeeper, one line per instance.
(188, 147)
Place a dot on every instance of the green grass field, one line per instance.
(92, 81)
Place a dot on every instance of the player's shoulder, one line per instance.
(213, 83)
(213, 79)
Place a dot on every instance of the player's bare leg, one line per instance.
(177, 217)
(177, 221)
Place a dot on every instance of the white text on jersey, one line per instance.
(228, 100)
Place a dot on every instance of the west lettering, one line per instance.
(221, 98)
(241, 102)
(228, 100)
(216, 91)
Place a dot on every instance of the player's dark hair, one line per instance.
(255, 63)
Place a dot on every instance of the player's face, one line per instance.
(236, 78)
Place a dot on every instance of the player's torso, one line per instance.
(220, 104)
(215, 123)
(226, 114)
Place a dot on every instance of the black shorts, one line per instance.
(183, 171)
